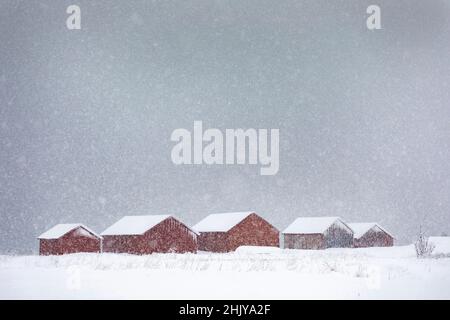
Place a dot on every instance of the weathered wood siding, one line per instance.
(374, 239)
(304, 241)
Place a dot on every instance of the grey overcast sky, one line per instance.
(86, 115)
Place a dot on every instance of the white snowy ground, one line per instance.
(373, 273)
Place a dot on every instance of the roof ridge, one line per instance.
(72, 226)
(218, 222)
(313, 228)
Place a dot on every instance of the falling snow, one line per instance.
(86, 115)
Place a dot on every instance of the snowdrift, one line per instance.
(249, 273)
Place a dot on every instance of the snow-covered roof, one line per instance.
(137, 225)
(221, 222)
(314, 225)
(134, 225)
(61, 229)
(361, 228)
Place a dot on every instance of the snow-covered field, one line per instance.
(373, 273)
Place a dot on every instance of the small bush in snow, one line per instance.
(423, 247)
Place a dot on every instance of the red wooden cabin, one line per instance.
(148, 234)
(224, 232)
(69, 238)
(318, 233)
(371, 234)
